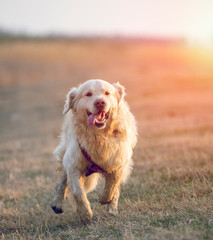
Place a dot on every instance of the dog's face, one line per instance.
(95, 101)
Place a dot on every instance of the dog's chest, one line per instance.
(107, 152)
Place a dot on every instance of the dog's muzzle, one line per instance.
(98, 119)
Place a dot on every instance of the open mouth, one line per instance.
(97, 119)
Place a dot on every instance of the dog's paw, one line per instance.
(86, 217)
(112, 211)
(104, 199)
(56, 208)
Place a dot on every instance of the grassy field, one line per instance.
(170, 91)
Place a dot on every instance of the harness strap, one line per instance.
(94, 167)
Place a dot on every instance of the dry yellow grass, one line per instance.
(170, 91)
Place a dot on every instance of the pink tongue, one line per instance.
(92, 118)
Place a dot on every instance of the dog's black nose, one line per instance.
(99, 103)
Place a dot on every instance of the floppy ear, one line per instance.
(70, 100)
(120, 91)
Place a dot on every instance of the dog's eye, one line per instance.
(89, 94)
(106, 93)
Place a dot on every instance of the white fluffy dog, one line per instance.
(98, 137)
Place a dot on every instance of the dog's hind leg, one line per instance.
(61, 190)
(91, 182)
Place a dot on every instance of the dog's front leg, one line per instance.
(76, 184)
(112, 185)
(112, 206)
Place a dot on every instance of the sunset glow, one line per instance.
(200, 32)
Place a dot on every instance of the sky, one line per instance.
(155, 18)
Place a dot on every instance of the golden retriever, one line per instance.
(98, 137)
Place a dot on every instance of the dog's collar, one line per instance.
(93, 167)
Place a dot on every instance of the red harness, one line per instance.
(93, 167)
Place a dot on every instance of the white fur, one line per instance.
(110, 147)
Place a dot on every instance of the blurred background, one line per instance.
(191, 20)
(162, 52)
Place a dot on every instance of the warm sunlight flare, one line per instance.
(204, 39)
(200, 32)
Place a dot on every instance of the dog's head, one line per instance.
(95, 101)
